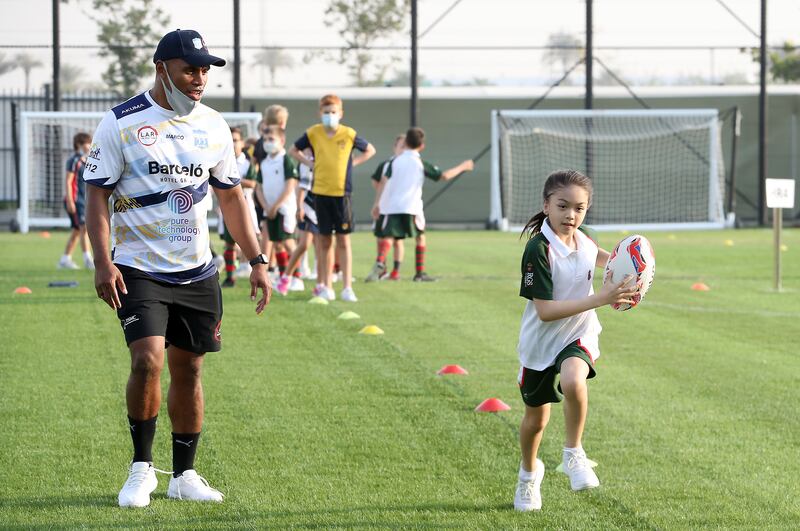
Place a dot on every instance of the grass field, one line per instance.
(693, 417)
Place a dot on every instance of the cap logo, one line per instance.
(198, 43)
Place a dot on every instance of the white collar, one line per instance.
(555, 242)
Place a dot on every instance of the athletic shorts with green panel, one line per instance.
(276, 229)
(543, 387)
(399, 226)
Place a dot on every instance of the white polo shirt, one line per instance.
(553, 271)
(405, 175)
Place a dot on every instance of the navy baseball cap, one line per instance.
(187, 45)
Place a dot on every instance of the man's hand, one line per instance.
(260, 279)
(107, 280)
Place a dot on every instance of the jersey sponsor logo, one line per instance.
(94, 152)
(200, 138)
(133, 108)
(128, 321)
(154, 168)
(147, 135)
(174, 136)
(529, 275)
(180, 201)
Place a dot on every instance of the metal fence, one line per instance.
(11, 104)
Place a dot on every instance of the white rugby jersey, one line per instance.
(553, 271)
(159, 167)
(405, 175)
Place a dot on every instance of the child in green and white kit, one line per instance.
(558, 340)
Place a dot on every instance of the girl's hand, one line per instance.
(301, 213)
(618, 292)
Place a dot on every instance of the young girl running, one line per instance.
(558, 340)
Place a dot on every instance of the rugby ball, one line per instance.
(632, 256)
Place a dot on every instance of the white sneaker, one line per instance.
(581, 475)
(348, 295)
(529, 495)
(243, 271)
(336, 277)
(296, 285)
(141, 482)
(192, 486)
(67, 264)
(329, 294)
(88, 263)
(377, 272)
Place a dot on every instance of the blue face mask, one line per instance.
(330, 120)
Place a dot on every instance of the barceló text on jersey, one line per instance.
(192, 170)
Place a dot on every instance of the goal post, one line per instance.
(651, 169)
(45, 144)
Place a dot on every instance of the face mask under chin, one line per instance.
(180, 102)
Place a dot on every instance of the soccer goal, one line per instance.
(45, 145)
(651, 169)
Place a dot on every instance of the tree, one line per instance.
(784, 63)
(6, 65)
(129, 31)
(273, 59)
(27, 62)
(564, 49)
(70, 77)
(361, 24)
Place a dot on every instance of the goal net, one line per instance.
(651, 169)
(45, 145)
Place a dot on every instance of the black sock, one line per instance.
(184, 446)
(142, 433)
(397, 265)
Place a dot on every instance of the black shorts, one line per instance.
(186, 315)
(259, 213)
(334, 214)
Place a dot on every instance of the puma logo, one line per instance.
(185, 443)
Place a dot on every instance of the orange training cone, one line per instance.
(492, 405)
(699, 286)
(44, 234)
(452, 369)
(23, 290)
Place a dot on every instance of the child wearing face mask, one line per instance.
(333, 144)
(275, 189)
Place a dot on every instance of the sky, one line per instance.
(293, 24)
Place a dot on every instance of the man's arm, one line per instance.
(367, 154)
(238, 223)
(107, 278)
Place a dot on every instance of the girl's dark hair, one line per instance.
(555, 181)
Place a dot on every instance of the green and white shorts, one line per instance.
(544, 387)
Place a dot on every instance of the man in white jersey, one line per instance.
(154, 157)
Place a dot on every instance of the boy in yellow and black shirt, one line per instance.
(332, 144)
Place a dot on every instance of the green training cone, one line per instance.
(347, 316)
